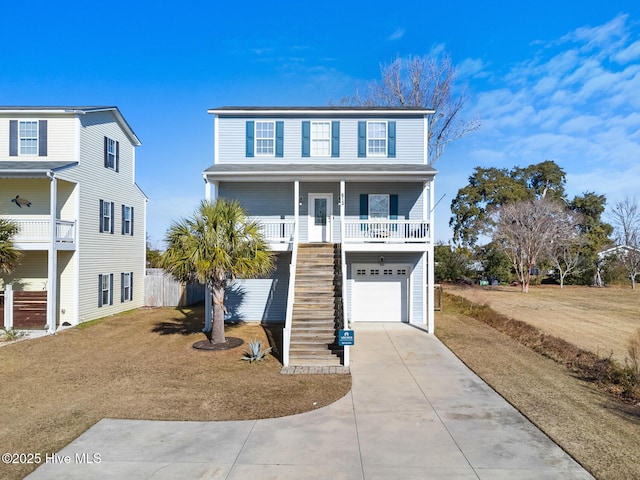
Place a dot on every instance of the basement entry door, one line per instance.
(380, 293)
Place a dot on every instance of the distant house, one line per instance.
(67, 178)
(345, 197)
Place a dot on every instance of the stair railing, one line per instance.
(286, 332)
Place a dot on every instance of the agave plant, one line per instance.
(255, 352)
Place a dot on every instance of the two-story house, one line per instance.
(67, 178)
(345, 197)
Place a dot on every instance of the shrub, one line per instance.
(255, 352)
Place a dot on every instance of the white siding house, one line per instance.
(67, 178)
(357, 178)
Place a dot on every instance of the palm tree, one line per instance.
(216, 246)
(9, 255)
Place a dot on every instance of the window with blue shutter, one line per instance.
(335, 139)
(306, 138)
(362, 139)
(391, 137)
(279, 139)
(28, 137)
(250, 138)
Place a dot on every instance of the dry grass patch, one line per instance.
(599, 320)
(141, 365)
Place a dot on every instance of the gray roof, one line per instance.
(62, 109)
(327, 110)
(32, 169)
(289, 171)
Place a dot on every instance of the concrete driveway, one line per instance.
(414, 412)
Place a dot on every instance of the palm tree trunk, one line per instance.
(217, 329)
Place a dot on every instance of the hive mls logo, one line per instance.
(345, 338)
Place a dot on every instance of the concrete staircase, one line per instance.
(317, 308)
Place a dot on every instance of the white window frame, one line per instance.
(376, 200)
(111, 153)
(126, 286)
(106, 217)
(32, 140)
(377, 146)
(106, 290)
(126, 220)
(265, 142)
(321, 139)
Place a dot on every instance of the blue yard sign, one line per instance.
(345, 338)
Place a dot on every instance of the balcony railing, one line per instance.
(388, 231)
(39, 231)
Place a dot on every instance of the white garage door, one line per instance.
(380, 293)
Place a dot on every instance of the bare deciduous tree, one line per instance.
(425, 82)
(626, 222)
(525, 229)
(565, 251)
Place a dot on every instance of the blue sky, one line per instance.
(548, 80)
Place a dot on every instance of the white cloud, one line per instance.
(397, 35)
(629, 54)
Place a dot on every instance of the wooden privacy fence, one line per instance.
(162, 290)
(23, 310)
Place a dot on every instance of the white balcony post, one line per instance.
(210, 195)
(52, 267)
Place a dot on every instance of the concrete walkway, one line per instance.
(414, 412)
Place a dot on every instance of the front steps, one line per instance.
(317, 306)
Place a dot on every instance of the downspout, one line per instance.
(52, 264)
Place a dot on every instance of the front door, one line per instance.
(320, 211)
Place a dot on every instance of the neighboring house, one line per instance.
(354, 179)
(67, 177)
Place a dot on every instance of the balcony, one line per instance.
(36, 234)
(278, 233)
(386, 231)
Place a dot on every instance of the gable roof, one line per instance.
(78, 110)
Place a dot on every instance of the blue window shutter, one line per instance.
(279, 139)
(111, 289)
(117, 157)
(13, 138)
(130, 285)
(335, 139)
(131, 227)
(100, 216)
(42, 138)
(306, 139)
(99, 290)
(106, 150)
(249, 138)
(362, 139)
(122, 221)
(122, 287)
(391, 140)
(393, 207)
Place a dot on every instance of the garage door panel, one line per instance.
(380, 294)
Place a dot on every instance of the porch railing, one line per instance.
(280, 231)
(389, 231)
(39, 231)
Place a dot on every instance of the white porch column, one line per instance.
(52, 267)
(343, 273)
(430, 262)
